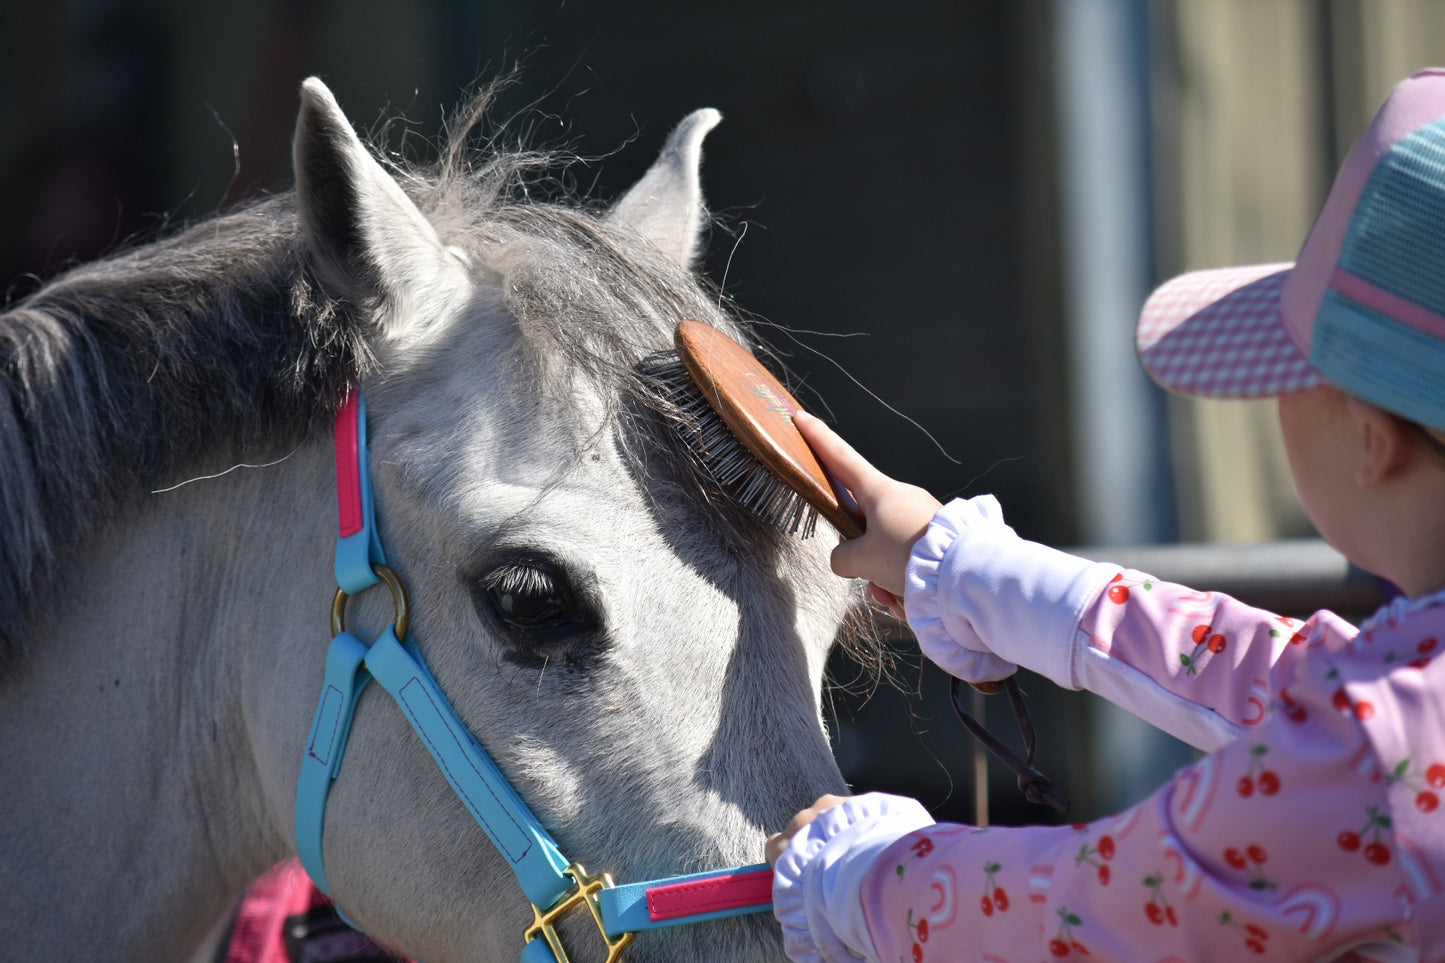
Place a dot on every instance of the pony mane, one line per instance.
(122, 371)
(220, 341)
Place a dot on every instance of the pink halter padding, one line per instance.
(350, 518)
(710, 895)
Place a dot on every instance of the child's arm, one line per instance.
(982, 600)
(1319, 831)
(1199, 665)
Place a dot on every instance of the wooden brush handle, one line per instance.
(759, 411)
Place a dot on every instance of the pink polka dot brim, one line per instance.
(1218, 334)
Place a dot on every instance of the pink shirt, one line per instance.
(1318, 830)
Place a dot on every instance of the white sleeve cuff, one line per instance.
(977, 592)
(943, 633)
(818, 881)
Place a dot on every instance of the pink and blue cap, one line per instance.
(1361, 308)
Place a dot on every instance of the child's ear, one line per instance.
(1388, 444)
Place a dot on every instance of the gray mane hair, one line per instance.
(122, 371)
(221, 341)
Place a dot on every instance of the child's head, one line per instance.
(1361, 310)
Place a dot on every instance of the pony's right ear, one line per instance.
(368, 241)
(666, 207)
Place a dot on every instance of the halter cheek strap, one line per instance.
(552, 884)
(346, 676)
(486, 793)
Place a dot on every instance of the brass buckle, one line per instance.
(585, 893)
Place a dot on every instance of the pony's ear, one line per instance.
(368, 241)
(666, 206)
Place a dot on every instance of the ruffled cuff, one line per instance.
(945, 638)
(982, 600)
(818, 881)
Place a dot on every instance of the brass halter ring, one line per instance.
(398, 598)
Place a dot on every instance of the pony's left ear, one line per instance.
(666, 206)
(368, 241)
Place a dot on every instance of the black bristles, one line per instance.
(736, 470)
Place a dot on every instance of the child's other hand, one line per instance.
(820, 865)
(778, 842)
(895, 514)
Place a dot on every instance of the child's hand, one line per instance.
(895, 514)
(820, 863)
(778, 842)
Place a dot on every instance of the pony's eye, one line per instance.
(532, 596)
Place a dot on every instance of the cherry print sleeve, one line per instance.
(1318, 832)
(1198, 665)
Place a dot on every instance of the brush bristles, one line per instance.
(713, 443)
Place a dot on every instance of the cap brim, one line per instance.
(1219, 334)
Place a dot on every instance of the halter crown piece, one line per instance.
(553, 885)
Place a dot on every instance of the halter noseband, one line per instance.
(553, 885)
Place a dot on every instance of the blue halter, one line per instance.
(554, 885)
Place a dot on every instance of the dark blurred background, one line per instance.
(944, 215)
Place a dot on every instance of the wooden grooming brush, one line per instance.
(739, 420)
(756, 452)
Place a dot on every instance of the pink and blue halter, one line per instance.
(553, 884)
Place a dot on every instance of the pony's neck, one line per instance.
(128, 731)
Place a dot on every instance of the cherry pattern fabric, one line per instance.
(1318, 833)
